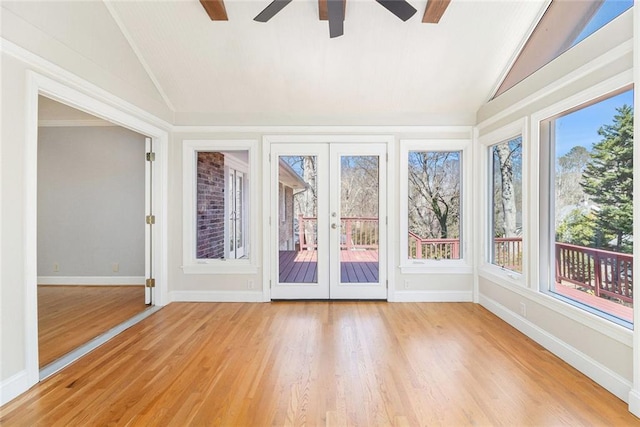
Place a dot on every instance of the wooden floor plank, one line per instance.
(69, 316)
(318, 363)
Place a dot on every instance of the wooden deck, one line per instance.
(356, 266)
(611, 307)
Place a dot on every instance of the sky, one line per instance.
(607, 12)
(581, 127)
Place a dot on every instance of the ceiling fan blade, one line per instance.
(400, 8)
(335, 12)
(271, 10)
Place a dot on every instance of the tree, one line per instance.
(608, 178)
(507, 161)
(434, 194)
(569, 171)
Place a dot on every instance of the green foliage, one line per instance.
(608, 178)
(579, 228)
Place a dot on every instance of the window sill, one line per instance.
(220, 267)
(504, 276)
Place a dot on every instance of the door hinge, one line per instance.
(269, 157)
(151, 283)
(151, 219)
(151, 157)
(387, 155)
(270, 285)
(387, 283)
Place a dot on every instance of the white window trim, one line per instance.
(458, 266)
(190, 264)
(541, 245)
(486, 268)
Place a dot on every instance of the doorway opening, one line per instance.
(93, 247)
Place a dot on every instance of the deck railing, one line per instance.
(605, 273)
(420, 248)
(355, 233)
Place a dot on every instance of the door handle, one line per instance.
(334, 226)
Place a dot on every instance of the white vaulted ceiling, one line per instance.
(288, 71)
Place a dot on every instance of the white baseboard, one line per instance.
(634, 402)
(599, 373)
(14, 386)
(91, 280)
(432, 296)
(216, 296)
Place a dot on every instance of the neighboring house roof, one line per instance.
(289, 177)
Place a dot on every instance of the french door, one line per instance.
(328, 221)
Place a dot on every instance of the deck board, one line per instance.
(359, 266)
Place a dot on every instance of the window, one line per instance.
(217, 206)
(590, 206)
(505, 193)
(432, 194)
(563, 25)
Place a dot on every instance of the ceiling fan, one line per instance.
(334, 11)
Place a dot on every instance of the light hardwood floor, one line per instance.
(319, 363)
(69, 316)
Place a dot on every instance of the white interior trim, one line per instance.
(190, 264)
(433, 296)
(115, 111)
(74, 123)
(583, 71)
(96, 93)
(463, 265)
(604, 376)
(482, 178)
(92, 280)
(14, 386)
(634, 395)
(216, 296)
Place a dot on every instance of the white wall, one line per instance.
(599, 348)
(91, 201)
(112, 84)
(422, 286)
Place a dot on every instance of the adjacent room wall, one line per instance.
(91, 204)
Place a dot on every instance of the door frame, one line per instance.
(113, 109)
(269, 257)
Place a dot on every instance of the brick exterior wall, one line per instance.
(286, 221)
(211, 201)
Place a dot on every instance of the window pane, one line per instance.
(593, 205)
(434, 204)
(221, 223)
(506, 205)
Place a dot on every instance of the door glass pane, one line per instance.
(359, 238)
(297, 219)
